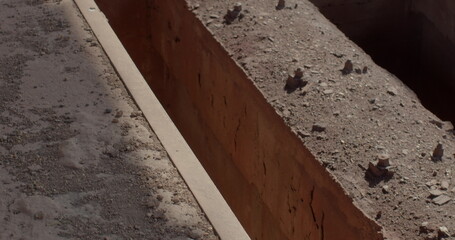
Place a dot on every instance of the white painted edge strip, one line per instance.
(204, 190)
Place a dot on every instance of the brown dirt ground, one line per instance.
(363, 114)
(77, 158)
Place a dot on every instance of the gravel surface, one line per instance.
(348, 111)
(77, 158)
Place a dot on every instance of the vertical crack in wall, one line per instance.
(311, 207)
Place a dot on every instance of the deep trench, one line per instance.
(401, 38)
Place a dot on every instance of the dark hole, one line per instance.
(401, 38)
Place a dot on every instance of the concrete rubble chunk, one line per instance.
(233, 14)
(441, 200)
(443, 232)
(296, 81)
(318, 127)
(438, 153)
(392, 91)
(281, 4)
(436, 193)
(348, 67)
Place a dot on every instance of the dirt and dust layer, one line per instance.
(349, 112)
(77, 158)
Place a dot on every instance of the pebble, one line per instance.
(318, 127)
(392, 91)
(328, 91)
(441, 200)
(385, 189)
(136, 114)
(438, 153)
(444, 185)
(443, 232)
(281, 4)
(436, 193)
(303, 134)
(348, 67)
(38, 216)
(119, 114)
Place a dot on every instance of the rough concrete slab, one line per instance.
(78, 159)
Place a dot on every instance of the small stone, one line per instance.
(135, 114)
(38, 216)
(231, 15)
(365, 70)
(238, 6)
(318, 127)
(392, 91)
(375, 171)
(214, 16)
(34, 168)
(298, 73)
(348, 67)
(438, 153)
(159, 198)
(383, 160)
(119, 114)
(441, 200)
(431, 183)
(328, 91)
(385, 189)
(425, 227)
(281, 4)
(115, 120)
(443, 232)
(436, 193)
(444, 185)
(303, 134)
(437, 123)
(292, 83)
(107, 110)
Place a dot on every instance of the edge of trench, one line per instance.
(204, 190)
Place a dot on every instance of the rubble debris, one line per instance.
(444, 185)
(441, 200)
(303, 134)
(348, 67)
(381, 168)
(438, 153)
(233, 14)
(437, 123)
(365, 70)
(443, 232)
(436, 193)
(358, 71)
(392, 91)
(318, 127)
(425, 227)
(385, 189)
(292, 83)
(281, 4)
(383, 160)
(119, 114)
